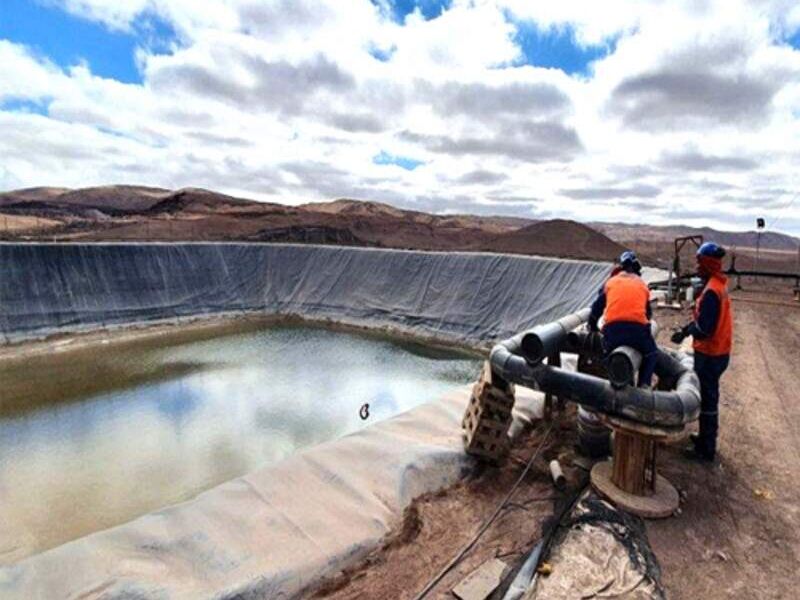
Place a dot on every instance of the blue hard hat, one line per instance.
(711, 249)
(627, 258)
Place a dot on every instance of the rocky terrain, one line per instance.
(132, 213)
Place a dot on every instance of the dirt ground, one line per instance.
(738, 531)
(438, 526)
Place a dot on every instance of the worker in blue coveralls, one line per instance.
(624, 302)
(712, 333)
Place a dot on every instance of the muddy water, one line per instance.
(98, 436)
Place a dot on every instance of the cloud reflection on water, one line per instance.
(71, 468)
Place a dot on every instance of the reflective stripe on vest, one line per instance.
(720, 341)
(626, 299)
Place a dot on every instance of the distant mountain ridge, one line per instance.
(115, 197)
(138, 213)
(626, 232)
(130, 212)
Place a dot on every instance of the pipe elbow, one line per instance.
(674, 406)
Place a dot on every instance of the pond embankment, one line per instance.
(275, 531)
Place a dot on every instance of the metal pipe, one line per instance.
(676, 402)
(545, 340)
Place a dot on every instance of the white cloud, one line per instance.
(696, 109)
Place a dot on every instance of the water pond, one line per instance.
(95, 437)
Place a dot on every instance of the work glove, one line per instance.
(680, 334)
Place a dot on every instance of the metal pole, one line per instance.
(670, 298)
(758, 250)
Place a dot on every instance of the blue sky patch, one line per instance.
(67, 40)
(382, 54)
(794, 40)
(39, 107)
(400, 9)
(557, 48)
(384, 158)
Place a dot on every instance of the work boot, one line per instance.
(696, 451)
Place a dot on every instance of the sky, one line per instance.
(648, 111)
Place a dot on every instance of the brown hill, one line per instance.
(130, 198)
(198, 200)
(557, 237)
(126, 212)
(35, 194)
(143, 213)
(120, 198)
(356, 208)
(369, 209)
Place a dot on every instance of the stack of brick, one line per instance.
(488, 417)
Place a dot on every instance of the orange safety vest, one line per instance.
(720, 341)
(626, 299)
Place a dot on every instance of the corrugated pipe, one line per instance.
(676, 403)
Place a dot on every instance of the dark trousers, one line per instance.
(639, 337)
(709, 369)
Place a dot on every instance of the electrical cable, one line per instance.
(526, 577)
(457, 559)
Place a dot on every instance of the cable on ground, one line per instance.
(457, 559)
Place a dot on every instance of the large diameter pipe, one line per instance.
(665, 408)
(545, 340)
(623, 363)
(585, 343)
(590, 343)
(623, 366)
(676, 407)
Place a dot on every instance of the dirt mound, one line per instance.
(557, 237)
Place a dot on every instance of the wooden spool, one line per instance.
(633, 468)
(631, 480)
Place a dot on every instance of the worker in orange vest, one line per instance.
(712, 330)
(624, 302)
